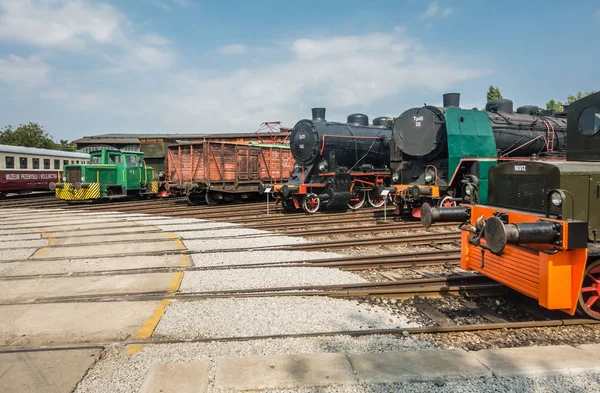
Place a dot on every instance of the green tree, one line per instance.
(493, 93)
(32, 135)
(557, 106)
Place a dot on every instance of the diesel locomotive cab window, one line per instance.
(36, 163)
(56, 164)
(131, 160)
(589, 121)
(10, 162)
(22, 162)
(46, 163)
(96, 160)
(114, 158)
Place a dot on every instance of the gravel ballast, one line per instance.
(241, 243)
(257, 257)
(237, 317)
(221, 280)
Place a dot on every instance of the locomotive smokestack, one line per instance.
(451, 100)
(318, 114)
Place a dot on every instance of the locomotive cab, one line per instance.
(539, 233)
(110, 174)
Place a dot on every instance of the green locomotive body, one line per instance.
(110, 174)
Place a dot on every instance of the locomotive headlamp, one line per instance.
(468, 190)
(429, 176)
(395, 177)
(296, 166)
(64, 179)
(556, 198)
(82, 178)
(323, 166)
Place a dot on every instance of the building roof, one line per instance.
(135, 138)
(41, 152)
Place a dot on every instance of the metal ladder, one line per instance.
(550, 136)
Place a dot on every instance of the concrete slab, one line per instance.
(35, 243)
(113, 231)
(506, 362)
(59, 222)
(119, 237)
(283, 371)
(43, 288)
(418, 366)
(47, 371)
(16, 254)
(62, 323)
(24, 236)
(200, 226)
(107, 249)
(593, 348)
(37, 267)
(177, 378)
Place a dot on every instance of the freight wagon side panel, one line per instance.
(276, 164)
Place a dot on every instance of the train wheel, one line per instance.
(311, 203)
(211, 198)
(447, 202)
(195, 198)
(589, 297)
(357, 200)
(375, 201)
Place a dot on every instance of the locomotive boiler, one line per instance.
(337, 164)
(441, 154)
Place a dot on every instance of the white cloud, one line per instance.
(96, 29)
(23, 72)
(59, 23)
(434, 10)
(233, 49)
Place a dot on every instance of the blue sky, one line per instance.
(83, 67)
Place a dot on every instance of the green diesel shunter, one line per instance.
(110, 174)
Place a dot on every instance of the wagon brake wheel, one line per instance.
(589, 296)
(375, 201)
(311, 203)
(357, 200)
(447, 202)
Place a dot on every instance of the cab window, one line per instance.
(22, 162)
(36, 163)
(96, 160)
(10, 162)
(131, 160)
(114, 158)
(46, 163)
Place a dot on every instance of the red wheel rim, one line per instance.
(376, 201)
(590, 291)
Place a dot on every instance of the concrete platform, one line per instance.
(507, 362)
(63, 323)
(43, 288)
(417, 366)
(283, 371)
(41, 266)
(112, 237)
(101, 250)
(48, 371)
(177, 378)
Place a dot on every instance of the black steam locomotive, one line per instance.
(442, 155)
(337, 164)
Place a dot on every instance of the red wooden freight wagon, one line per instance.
(224, 171)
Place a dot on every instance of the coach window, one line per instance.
(46, 163)
(22, 162)
(65, 162)
(56, 164)
(36, 163)
(10, 162)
